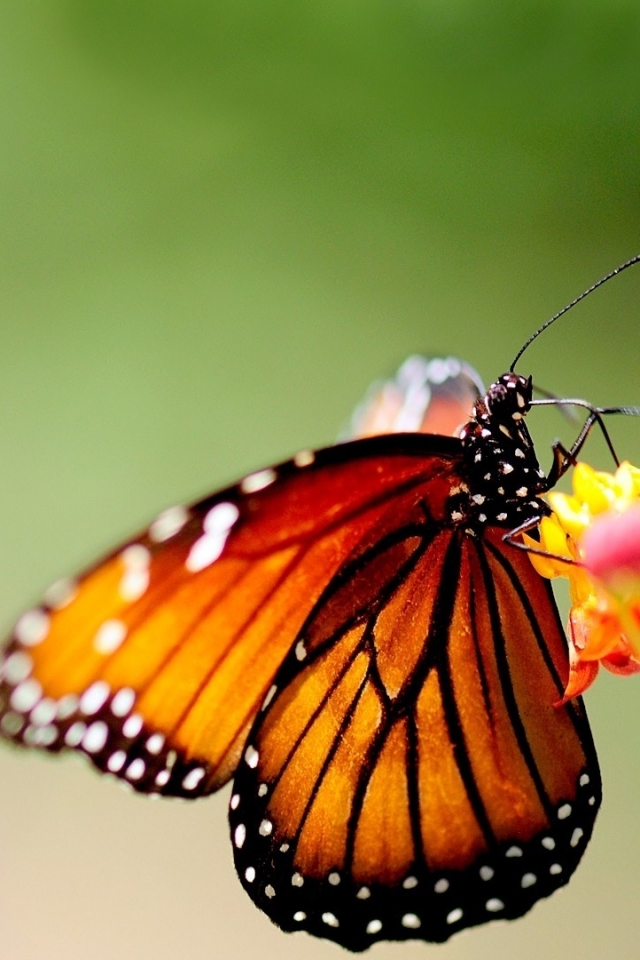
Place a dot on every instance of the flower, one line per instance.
(597, 529)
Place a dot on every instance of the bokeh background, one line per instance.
(219, 222)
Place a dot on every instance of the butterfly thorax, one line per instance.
(503, 474)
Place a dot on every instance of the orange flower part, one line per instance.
(597, 529)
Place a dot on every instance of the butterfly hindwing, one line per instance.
(410, 774)
(155, 662)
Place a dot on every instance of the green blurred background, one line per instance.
(219, 222)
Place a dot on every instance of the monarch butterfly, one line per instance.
(351, 638)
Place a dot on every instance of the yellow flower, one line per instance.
(597, 529)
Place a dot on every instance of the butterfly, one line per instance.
(348, 636)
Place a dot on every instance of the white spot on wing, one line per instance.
(330, 919)
(25, 696)
(193, 778)
(374, 926)
(304, 458)
(123, 702)
(95, 737)
(109, 636)
(32, 627)
(258, 481)
(94, 697)
(17, 667)
(411, 921)
(61, 593)
(168, 523)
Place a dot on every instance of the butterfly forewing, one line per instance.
(411, 775)
(155, 662)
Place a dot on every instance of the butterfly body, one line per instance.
(349, 636)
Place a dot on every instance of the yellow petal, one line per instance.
(593, 488)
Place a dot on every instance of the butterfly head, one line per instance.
(509, 397)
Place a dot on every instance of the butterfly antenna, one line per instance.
(564, 310)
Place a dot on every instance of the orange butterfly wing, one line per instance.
(155, 663)
(411, 776)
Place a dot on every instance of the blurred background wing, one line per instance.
(425, 396)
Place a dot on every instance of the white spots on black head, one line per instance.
(441, 885)
(297, 880)
(485, 432)
(494, 905)
(334, 878)
(136, 560)
(240, 835)
(454, 915)
(411, 921)
(16, 668)
(258, 481)
(32, 627)
(502, 516)
(217, 526)
(410, 882)
(506, 468)
(374, 926)
(519, 453)
(60, 593)
(304, 458)
(520, 400)
(300, 650)
(482, 517)
(330, 919)
(478, 498)
(522, 491)
(265, 828)
(486, 872)
(456, 516)
(478, 456)
(516, 416)
(250, 874)
(251, 757)
(123, 702)
(109, 636)
(564, 811)
(528, 880)
(168, 523)
(193, 778)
